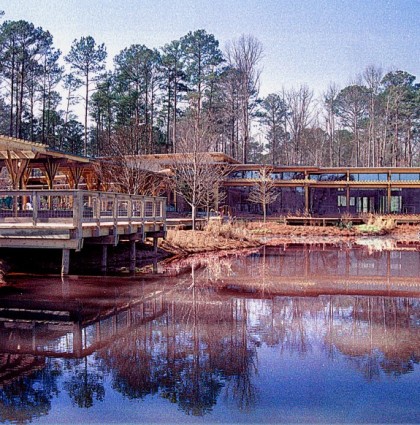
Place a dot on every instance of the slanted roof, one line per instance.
(167, 158)
(12, 148)
(19, 156)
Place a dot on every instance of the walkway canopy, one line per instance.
(21, 157)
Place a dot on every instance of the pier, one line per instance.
(71, 219)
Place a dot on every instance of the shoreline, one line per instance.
(228, 239)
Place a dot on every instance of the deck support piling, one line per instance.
(133, 256)
(65, 262)
(104, 259)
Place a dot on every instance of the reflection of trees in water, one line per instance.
(85, 383)
(284, 323)
(188, 356)
(377, 334)
(241, 351)
(205, 344)
(29, 396)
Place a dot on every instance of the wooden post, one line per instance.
(155, 244)
(132, 256)
(389, 197)
(348, 199)
(35, 202)
(104, 260)
(65, 262)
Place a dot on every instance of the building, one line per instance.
(329, 191)
(313, 190)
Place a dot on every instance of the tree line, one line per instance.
(153, 97)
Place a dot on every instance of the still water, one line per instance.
(313, 335)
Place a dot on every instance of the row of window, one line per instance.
(254, 174)
(365, 204)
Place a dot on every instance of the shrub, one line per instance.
(374, 223)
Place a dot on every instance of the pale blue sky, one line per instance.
(312, 41)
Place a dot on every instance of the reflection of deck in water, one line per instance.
(71, 329)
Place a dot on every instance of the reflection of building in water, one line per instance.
(193, 339)
(325, 269)
(378, 334)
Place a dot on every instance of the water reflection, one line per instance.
(200, 340)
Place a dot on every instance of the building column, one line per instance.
(348, 199)
(306, 187)
(388, 205)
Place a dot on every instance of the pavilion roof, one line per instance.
(37, 153)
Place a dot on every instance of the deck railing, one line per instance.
(76, 207)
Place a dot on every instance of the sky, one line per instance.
(312, 42)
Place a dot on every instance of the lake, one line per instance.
(309, 334)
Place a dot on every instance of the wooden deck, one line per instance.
(68, 219)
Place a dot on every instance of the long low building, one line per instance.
(312, 190)
(328, 191)
(299, 190)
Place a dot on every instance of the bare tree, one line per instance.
(264, 191)
(197, 176)
(244, 55)
(373, 76)
(299, 118)
(329, 98)
(122, 172)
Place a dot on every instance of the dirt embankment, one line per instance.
(228, 237)
(184, 242)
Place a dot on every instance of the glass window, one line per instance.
(293, 176)
(405, 176)
(369, 177)
(328, 177)
(341, 201)
(396, 203)
(248, 174)
(236, 175)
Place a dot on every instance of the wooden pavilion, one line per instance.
(30, 160)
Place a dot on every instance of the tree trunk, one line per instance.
(86, 114)
(193, 214)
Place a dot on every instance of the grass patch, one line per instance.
(217, 235)
(377, 224)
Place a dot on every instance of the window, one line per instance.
(396, 204)
(369, 177)
(405, 176)
(342, 201)
(293, 176)
(328, 177)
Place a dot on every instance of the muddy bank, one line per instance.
(184, 243)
